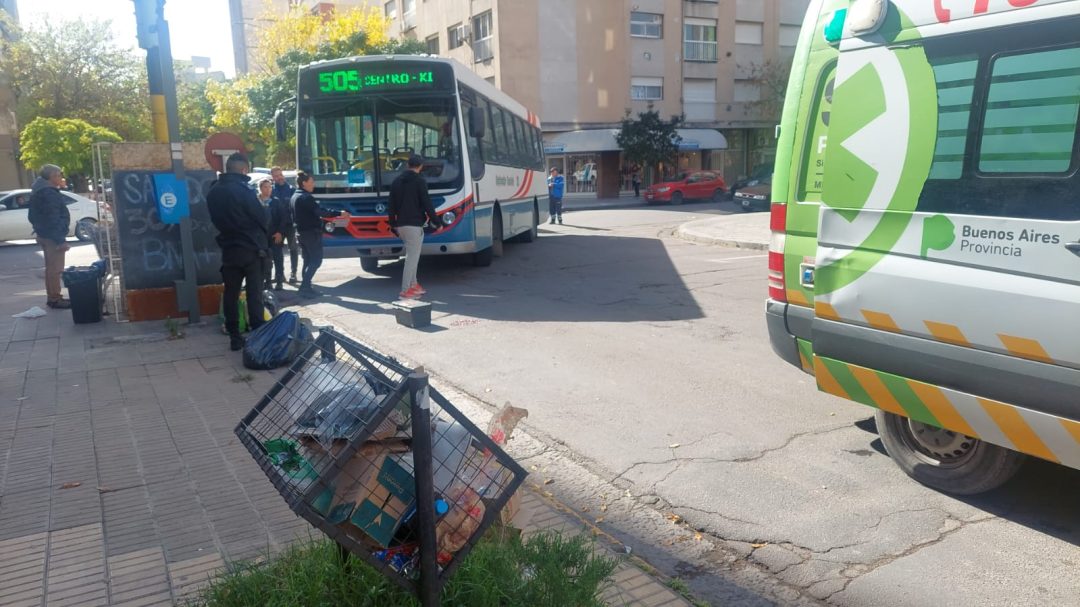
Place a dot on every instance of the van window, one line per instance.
(812, 173)
(1031, 112)
(1008, 108)
(955, 78)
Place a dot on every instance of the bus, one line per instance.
(925, 250)
(359, 119)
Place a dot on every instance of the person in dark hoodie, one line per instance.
(51, 220)
(309, 226)
(410, 208)
(241, 222)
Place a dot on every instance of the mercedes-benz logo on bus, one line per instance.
(380, 208)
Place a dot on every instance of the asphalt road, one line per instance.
(654, 397)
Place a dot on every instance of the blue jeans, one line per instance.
(555, 207)
(311, 245)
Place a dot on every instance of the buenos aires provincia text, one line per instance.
(1008, 243)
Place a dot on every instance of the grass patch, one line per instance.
(546, 570)
(243, 378)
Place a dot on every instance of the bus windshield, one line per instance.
(362, 143)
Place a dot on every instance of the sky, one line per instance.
(198, 27)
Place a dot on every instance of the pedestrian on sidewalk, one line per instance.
(283, 191)
(555, 196)
(279, 216)
(636, 180)
(309, 226)
(241, 222)
(51, 221)
(410, 206)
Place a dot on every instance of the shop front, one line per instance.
(592, 161)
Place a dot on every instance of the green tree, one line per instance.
(65, 142)
(771, 79)
(195, 110)
(650, 141)
(75, 69)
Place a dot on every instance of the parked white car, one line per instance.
(586, 174)
(15, 225)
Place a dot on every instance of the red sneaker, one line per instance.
(419, 290)
(409, 293)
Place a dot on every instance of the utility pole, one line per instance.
(153, 35)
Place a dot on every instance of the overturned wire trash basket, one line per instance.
(341, 436)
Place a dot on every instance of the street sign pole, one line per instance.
(153, 33)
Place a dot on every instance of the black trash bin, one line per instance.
(84, 290)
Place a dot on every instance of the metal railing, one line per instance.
(694, 50)
(107, 234)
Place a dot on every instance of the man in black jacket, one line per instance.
(410, 205)
(241, 222)
(51, 220)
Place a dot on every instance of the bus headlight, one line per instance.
(448, 218)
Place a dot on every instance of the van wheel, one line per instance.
(943, 459)
(369, 264)
(676, 198)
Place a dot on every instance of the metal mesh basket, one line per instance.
(334, 436)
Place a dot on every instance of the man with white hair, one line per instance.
(51, 220)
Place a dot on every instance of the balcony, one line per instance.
(699, 51)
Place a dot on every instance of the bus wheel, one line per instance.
(369, 264)
(483, 258)
(945, 460)
(530, 234)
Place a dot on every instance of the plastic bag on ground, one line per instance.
(34, 312)
(500, 428)
(276, 343)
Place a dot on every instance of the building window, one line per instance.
(646, 89)
(750, 32)
(789, 35)
(699, 40)
(433, 45)
(483, 49)
(408, 7)
(747, 91)
(699, 99)
(391, 9)
(455, 36)
(646, 25)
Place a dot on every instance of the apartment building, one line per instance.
(581, 64)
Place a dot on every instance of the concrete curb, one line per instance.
(690, 234)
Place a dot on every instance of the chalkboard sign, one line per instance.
(152, 256)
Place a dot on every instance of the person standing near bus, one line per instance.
(279, 214)
(309, 227)
(558, 186)
(241, 222)
(410, 205)
(283, 191)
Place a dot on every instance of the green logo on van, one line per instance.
(939, 233)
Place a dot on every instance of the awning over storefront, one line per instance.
(701, 139)
(577, 142)
(603, 140)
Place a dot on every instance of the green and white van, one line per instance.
(925, 256)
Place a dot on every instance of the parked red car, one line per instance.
(703, 185)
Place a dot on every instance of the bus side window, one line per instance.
(473, 147)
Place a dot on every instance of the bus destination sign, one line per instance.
(355, 81)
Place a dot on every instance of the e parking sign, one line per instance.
(171, 196)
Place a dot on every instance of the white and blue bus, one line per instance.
(359, 119)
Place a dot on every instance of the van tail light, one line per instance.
(778, 226)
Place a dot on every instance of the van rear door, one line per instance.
(946, 250)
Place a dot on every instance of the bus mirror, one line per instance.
(279, 125)
(476, 122)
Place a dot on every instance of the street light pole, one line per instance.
(153, 35)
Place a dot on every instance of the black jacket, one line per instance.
(49, 213)
(409, 201)
(280, 217)
(237, 214)
(306, 212)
